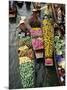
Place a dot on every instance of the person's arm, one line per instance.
(28, 24)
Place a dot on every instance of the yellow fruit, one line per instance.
(23, 51)
(48, 36)
(36, 28)
(24, 60)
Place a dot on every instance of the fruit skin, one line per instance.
(48, 36)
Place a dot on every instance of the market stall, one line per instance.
(41, 46)
(26, 56)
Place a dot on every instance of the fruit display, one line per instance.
(59, 45)
(24, 59)
(22, 51)
(25, 51)
(36, 32)
(24, 41)
(26, 67)
(37, 43)
(48, 36)
(27, 73)
(59, 49)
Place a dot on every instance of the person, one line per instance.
(38, 7)
(34, 20)
(23, 28)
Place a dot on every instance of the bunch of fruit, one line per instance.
(24, 59)
(24, 41)
(48, 36)
(22, 51)
(25, 51)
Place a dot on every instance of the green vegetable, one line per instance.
(27, 74)
(24, 41)
(59, 45)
